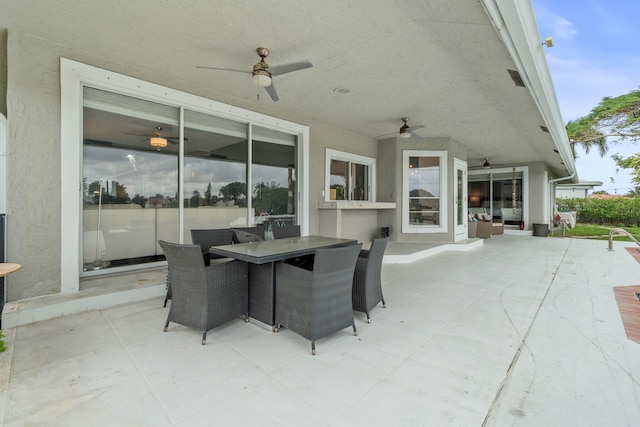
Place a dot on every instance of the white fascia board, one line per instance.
(516, 24)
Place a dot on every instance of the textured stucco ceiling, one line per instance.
(439, 62)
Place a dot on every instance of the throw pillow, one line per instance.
(241, 236)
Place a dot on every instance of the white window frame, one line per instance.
(73, 77)
(442, 225)
(370, 162)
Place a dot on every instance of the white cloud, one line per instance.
(562, 28)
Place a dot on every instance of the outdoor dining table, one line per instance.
(7, 268)
(262, 258)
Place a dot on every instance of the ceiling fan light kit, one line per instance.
(158, 142)
(261, 78)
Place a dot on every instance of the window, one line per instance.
(424, 192)
(349, 177)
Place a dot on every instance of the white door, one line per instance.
(460, 200)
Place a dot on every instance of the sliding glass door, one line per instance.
(154, 172)
(500, 192)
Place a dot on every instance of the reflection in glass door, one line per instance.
(126, 179)
(214, 173)
(273, 178)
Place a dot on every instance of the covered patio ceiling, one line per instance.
(441, 63)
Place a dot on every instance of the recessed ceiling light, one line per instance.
(342, 90)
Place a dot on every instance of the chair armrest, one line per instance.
(364, 253)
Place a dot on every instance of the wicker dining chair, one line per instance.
(316, 303)
(284, 231)
(205, 239)
(204, 297)
(367, 279)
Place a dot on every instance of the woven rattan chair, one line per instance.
(213, 237)
(317, 303)
(367, 279)
(204, 297)
(205, 239)
(285, 231)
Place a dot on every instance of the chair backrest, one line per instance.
(285, 231)
(376, 253)
(212, 237)
(186, 268)
(340, 260)
(182, 255)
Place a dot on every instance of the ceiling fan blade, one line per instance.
(175, 139)
(386, 134)
(271, 90)
(289, 68)
(223, 69)
(416, 127)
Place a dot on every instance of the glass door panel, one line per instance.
(274, 178)
(126, 180)
(215, 173)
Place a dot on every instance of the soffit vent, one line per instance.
(515, 76)
(544, 129)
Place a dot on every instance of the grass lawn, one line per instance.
(600, 232)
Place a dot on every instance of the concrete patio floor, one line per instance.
(522, 331)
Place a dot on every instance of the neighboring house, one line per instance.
(608, 196)
(97, 95)
(578, 190)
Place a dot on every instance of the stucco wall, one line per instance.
(33, 174)
(538, 195)
(3, 72)
(323, 137)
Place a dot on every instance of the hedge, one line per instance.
(622, 211)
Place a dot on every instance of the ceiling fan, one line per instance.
(405, 131)
(263, 74)
(158, 141)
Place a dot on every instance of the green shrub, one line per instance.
(615, 212)
(1, 342)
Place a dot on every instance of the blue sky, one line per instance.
(596, 54)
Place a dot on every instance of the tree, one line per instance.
(94, 189)
(631, 162)
(635, 192)
(140, 200)
(235, 191)
(270, 198)
(195, 199)
(208, 198)
(617, 118)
